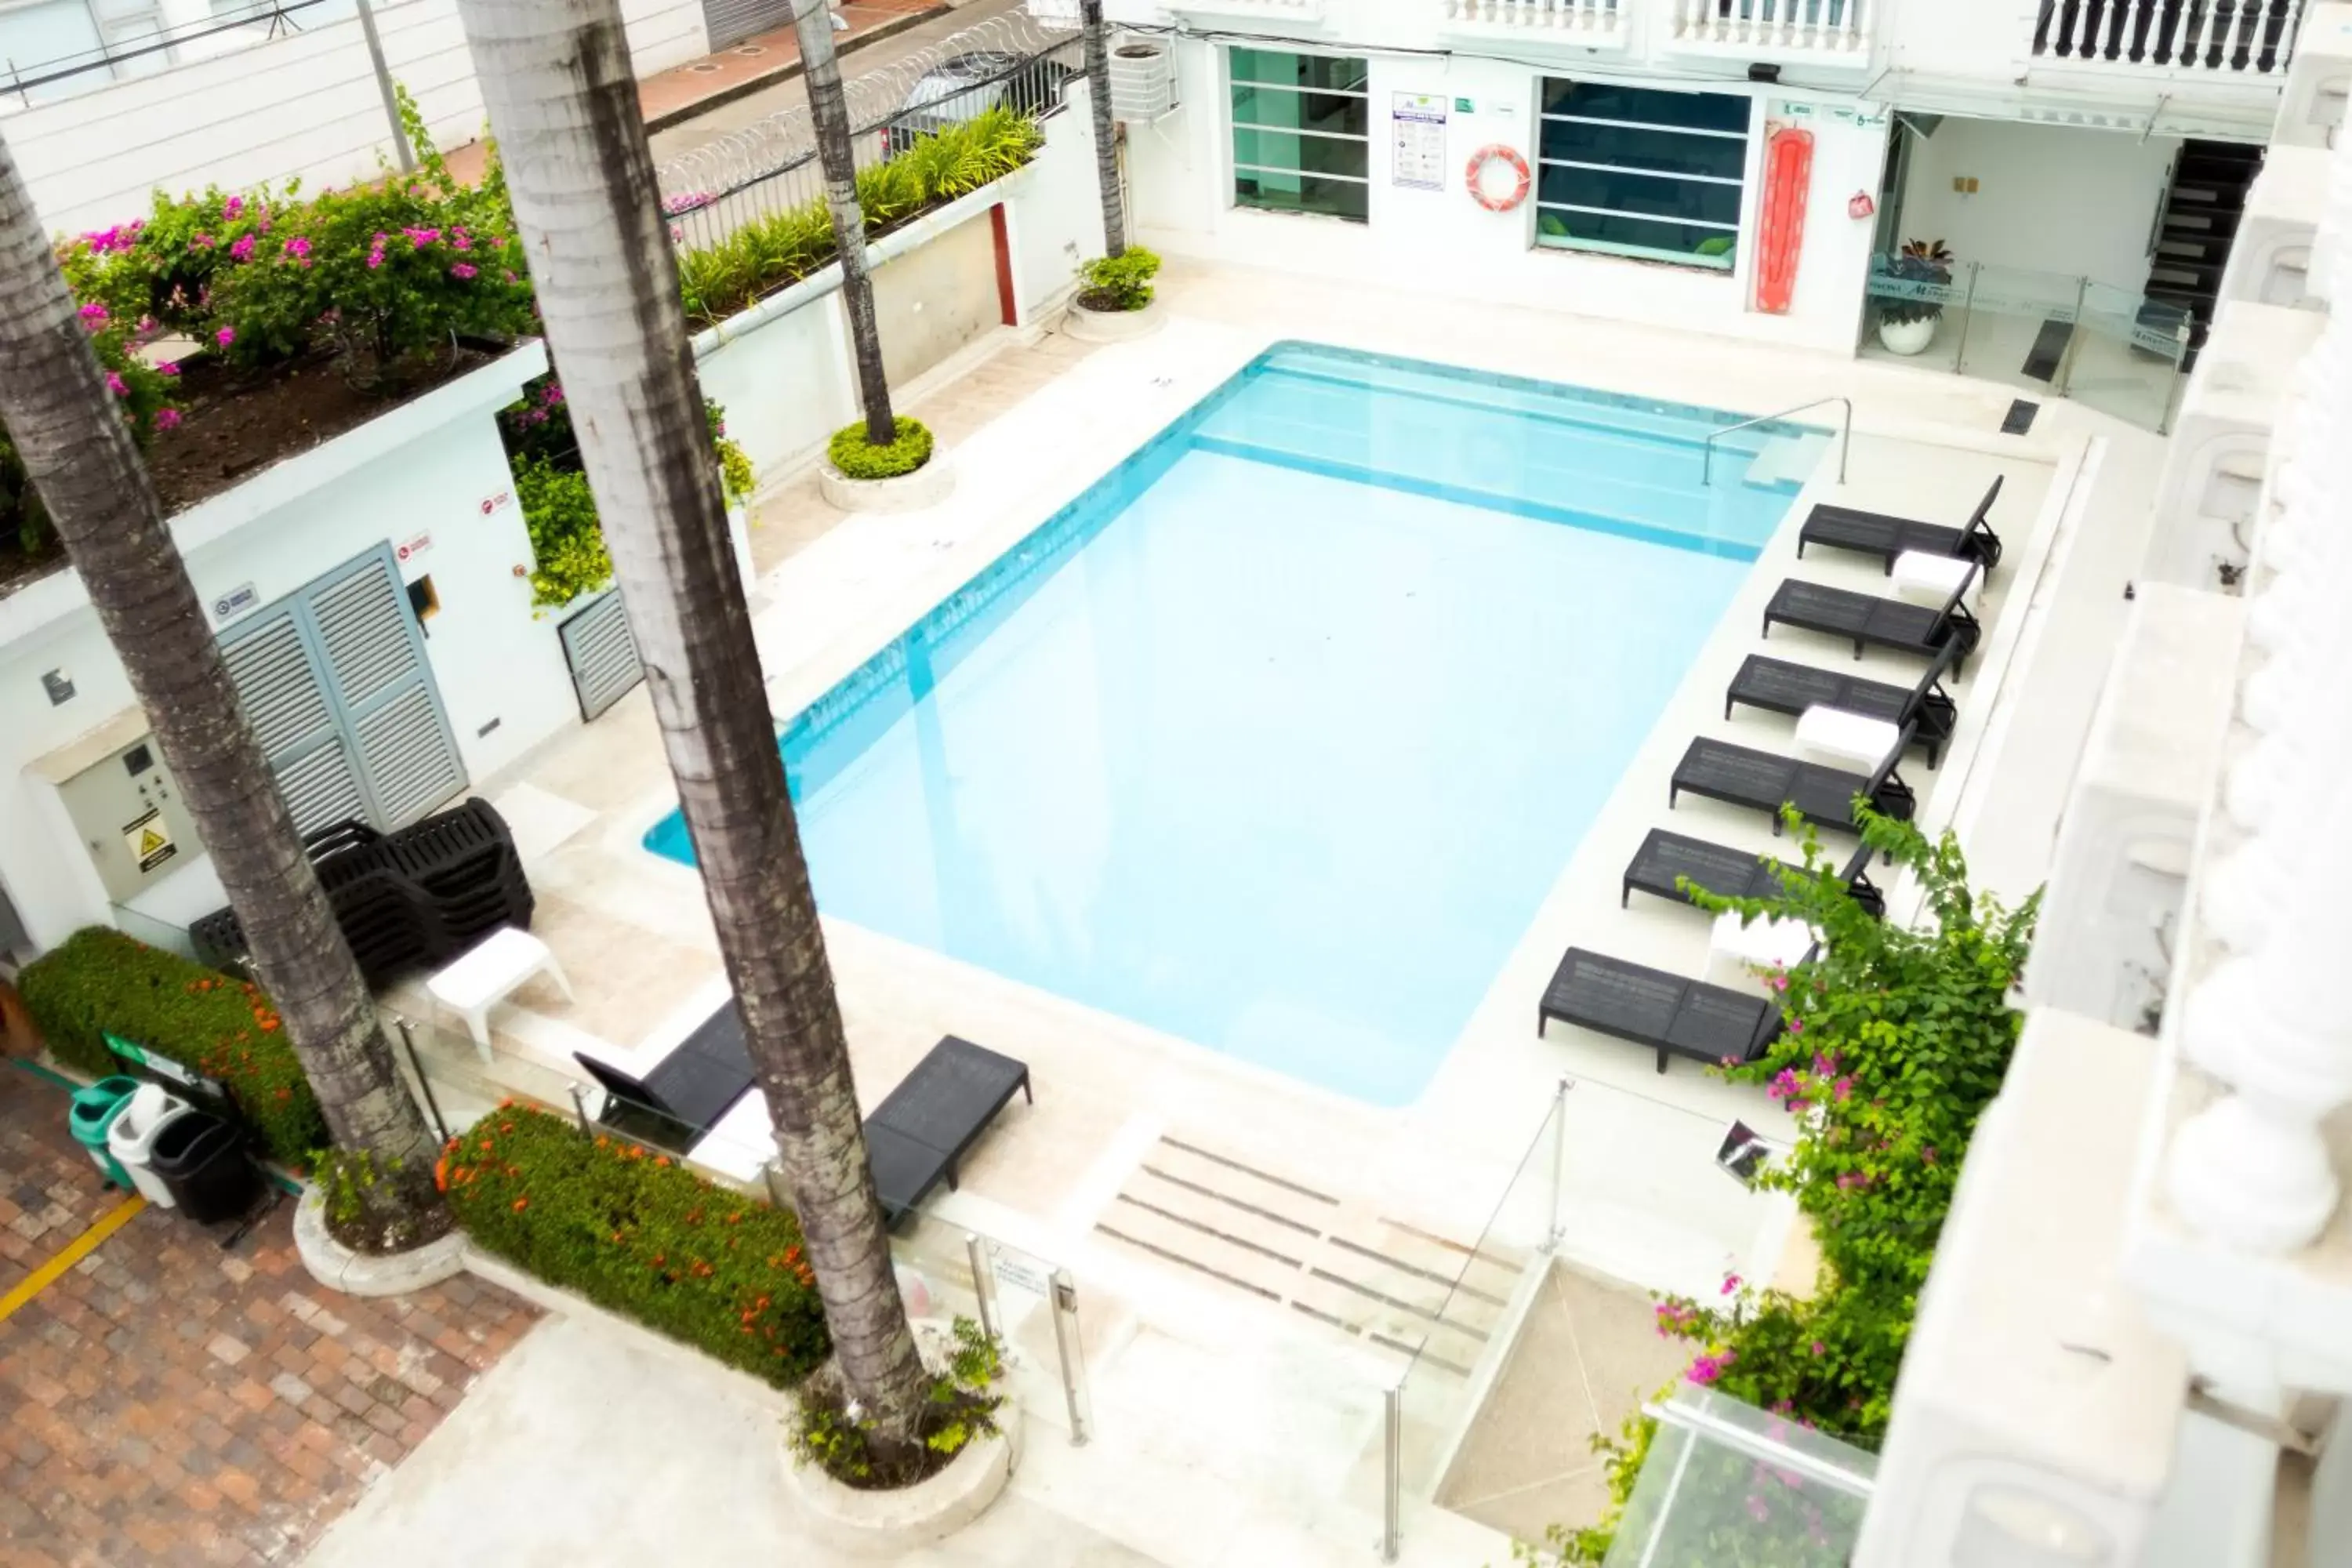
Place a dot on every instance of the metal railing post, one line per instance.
(580, 1108)
(1062, 1300)
(1967, 308)
(977, 1252)
(1553, 1231)
(1392, 1468)
(424, 1084)
(2066, 378)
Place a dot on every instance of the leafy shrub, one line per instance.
(775, 252)
(1117, 282)
(636, 1233)
(1896, 1041)
(374, 1206)
(857, 460)
(100, 982)
(831, 1432)
(381, 276)
(567, 540)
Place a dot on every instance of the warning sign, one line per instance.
(150, 841)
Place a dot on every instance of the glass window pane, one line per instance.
(1308, 111)
(1310, 154)
(1603, 100)
(1664, 241)
(1303, 193)
(1336, 71)
(1639, 194)
(1666, 150)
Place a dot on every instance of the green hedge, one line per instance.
(634, 1233)
(858, 459)
(100, 982)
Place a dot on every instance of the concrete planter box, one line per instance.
(338, 1268)
(927, 486)
(887, 1525)
(1113, 326)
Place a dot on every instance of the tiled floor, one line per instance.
(1587, 1358)
(166, 1402)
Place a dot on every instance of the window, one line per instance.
(1302, 134)
(1633, 172)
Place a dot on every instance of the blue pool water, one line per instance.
(1276, 738)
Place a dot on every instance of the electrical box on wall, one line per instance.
(123, 804)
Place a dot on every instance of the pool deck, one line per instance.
(1243, 1394)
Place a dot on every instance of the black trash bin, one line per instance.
(202, 1160)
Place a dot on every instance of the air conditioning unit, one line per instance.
(1142, 79)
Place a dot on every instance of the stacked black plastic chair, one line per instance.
(405, 901)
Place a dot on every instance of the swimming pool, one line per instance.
(1276, 738)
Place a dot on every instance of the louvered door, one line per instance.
(603, 654)
(335, 681)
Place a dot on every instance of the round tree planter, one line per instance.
(1113, 326)
(927, 486)
(338, 1268)
(889, 1524)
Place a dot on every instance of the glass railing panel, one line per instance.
(1725, 1482)
(2130, 361)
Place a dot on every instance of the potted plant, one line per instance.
(1114, 297)
(1907, 320)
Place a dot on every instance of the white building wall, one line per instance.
(1180, 171)
(501, 671)
(2030, 208)
(305, 106)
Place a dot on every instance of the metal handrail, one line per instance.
(1845, 434)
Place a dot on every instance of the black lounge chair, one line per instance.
(920, 1133)
(687, 1090)
(1665, 860)
(1886, 536)
(1866, 620)
(1669, 1013)
(1742, 775)
(1779, 686)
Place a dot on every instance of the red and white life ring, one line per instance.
(1475, 174)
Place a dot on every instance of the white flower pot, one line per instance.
(927, 486)
(1906, 338)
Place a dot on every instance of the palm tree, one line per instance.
(556, 77)
(829, 117)
(1105, 144)
(101, 504)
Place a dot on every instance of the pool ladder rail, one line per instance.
(1845, 434)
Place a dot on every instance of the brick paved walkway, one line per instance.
(168, 1402)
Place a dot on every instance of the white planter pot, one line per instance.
(887, 1525)
(927, 486)
(1113, 326)
(338, 1268)
(1908, 338)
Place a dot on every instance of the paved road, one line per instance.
(705, 129)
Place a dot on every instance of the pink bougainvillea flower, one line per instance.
(93, 315)
(420, 237)
(116, 385)
(201, 241)
(226, 336)
(1819, 1347)
(233, 207)
(297, 247)
(461, 271)
(167, 420)
(242, 249)
(1731, 1283)
(168, 369)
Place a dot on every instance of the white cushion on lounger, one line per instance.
(1736, 953)
(1845, 740)
(1926, 579)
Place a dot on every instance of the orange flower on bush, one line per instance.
(521, 1203)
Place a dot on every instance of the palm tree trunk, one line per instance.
(74, 443)
(556, 77)
(1106, 136)
(829, 117)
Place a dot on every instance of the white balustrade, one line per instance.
(2217, 37)
(2251, 1169)
(1601, 18)
(1775, 27)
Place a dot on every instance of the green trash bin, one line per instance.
(94, 1111)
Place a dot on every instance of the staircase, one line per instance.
(2202, 210)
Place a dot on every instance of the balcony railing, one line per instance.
(2191, 39)
(1800, 30)
(1583, 24)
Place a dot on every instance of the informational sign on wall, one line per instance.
(1417, 122)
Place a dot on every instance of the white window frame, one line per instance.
(1727, 265)
(1235, 167)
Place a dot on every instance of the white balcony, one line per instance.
(1833, 33)
(2177, 41)
(1572, 23)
